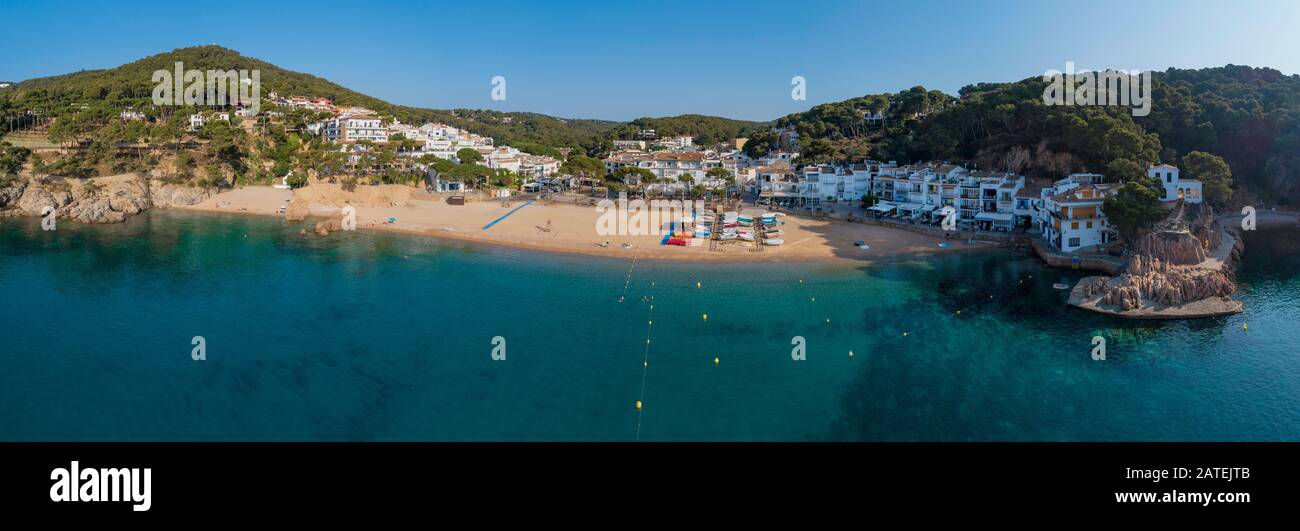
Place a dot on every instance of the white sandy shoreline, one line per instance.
(572, 228)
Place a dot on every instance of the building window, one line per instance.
(1074, 242)
(1090, 224)
(1074, 226)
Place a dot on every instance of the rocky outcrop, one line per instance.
(1150, 281)
(165, 195)
(297, 210)
(1178, 247)
(1171, 274)
(10, 193)
(324, 228)
(99, 200)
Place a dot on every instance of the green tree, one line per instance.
(1215, 176)
(583, 167)
(469, 156)
(1134, 207)
(12, 158)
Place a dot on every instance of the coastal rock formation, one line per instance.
(297, 210)
(1150, 280)
(10, 193)
(1173, 247)
(1175, 272)
(37, 196)
(98, 200)
(324, 228)
(165, 195)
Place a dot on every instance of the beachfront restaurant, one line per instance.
(910, 210)
(883, 209)
(994, 221)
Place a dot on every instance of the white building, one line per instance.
(668, 167)
(1070, 214)
(354, 128)
(1175, 188)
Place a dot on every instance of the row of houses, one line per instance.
(985, 200)
(1068, 214)
(677, 168)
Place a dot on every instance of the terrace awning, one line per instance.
(993, 216)
(883, 207)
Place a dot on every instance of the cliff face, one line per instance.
(99, 200)
(1172, 247)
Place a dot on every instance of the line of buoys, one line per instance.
(645, 360)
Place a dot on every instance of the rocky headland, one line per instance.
(1181, 269)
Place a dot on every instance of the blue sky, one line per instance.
(622, 60)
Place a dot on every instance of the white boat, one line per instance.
(727, 236)
(774, 234)
(1061, 286)
(773, 241)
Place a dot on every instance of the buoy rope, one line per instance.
(628, 280)
(645, 361)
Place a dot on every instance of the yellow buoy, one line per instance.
(706, 317)
(814, 299)
(638, 405)
(1243, 327)
(958, 312)
(697, 285)
(716, 360)
(828, 321)
(850, 353)
(645, 363)
(904, 334)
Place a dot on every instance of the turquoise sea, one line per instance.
(365, 336)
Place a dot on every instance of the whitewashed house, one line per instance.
(1173, 187)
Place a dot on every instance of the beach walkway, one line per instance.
(498, 220)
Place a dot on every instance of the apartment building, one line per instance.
(354, 128)
(1070, 215)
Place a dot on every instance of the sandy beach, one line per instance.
(563, 227)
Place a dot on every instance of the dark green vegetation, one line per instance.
(130, 86)
(1248, 116)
